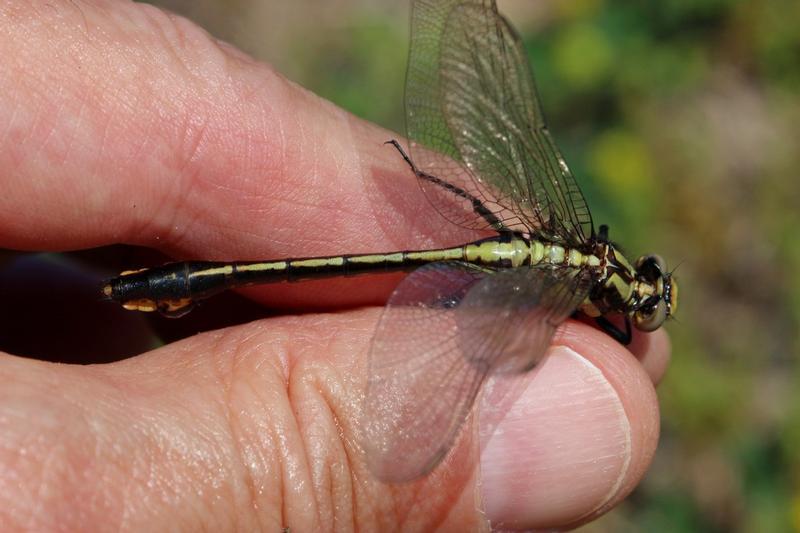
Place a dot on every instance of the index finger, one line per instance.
(132, 125)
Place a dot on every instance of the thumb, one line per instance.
(577, 438)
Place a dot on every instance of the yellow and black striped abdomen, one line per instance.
(173, 288)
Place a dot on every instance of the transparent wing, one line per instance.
(445, 329)
(474, 121)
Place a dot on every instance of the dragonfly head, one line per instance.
(661, 300)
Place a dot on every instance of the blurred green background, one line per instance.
(681, 119)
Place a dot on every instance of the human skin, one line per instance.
(122, 123)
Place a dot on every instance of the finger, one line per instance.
(256, 427)
(653, 351)
(578, 439)
(126, 124)
(250, 428)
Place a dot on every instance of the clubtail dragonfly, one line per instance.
(484, 157)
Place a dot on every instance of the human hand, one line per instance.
(124, 124)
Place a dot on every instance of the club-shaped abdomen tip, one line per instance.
(130, 291)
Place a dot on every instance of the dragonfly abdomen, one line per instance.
(545, 252)
(175, 287)
(517, 252)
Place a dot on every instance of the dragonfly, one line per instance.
(484, 157)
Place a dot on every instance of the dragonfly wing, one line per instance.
(474, 120)
(445, 329)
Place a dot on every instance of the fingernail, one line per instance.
(562, 449)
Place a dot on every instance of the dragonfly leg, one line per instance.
(477, 205)
(623, 337)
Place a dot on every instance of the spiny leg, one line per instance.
(477, 204)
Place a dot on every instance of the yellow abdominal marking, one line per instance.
(537, 252)
(316, 263)
(514, 252)
(224, 270)
(517, 252)
(261, 267)
(448, 254)
(147, 306)
(129, 272)
(555, 254)
(376, 258)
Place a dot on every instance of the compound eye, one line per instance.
(651, 320)
(651, 266)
